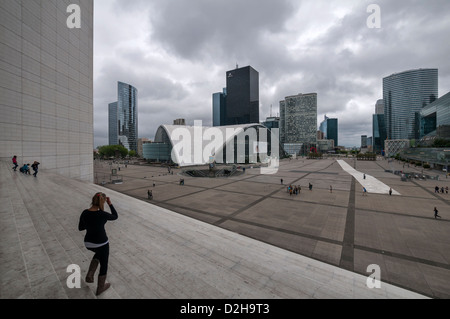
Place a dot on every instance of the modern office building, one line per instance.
(219, 108)
(378, 128)
(298, 122)
(329, 127)
(405, 95)
(141, 143)
(364, 141)
(127, 108)
(113, 124)
(379, 107)
(272, 122)
(46, 86)
(242, 96)
(435, 118)
(378, 133)
(179, 122)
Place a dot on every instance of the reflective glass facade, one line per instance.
(379, 133)
(219, 105)
(242, 102)
(435, 115)
(405, 94)
(329, 127)
(113, 127)
(157, 152)
(127, 116)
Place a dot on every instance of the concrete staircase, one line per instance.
(155, 253)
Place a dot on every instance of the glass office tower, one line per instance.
(379, 133)
(219, 108)
(127, 115)
(242, 103)
(405, 95)
(329, 127)
(113, 132)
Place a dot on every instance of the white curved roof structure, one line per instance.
(200, 145)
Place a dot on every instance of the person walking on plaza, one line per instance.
(364, 191)
(35, 168)
(93, 220)
(390, 191)
(14, 160)
(436, 214)
(331, 189)
(150, 194)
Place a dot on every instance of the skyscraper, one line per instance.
(298, 121)
(46, 86)
(379, 107)
(378, 128)
(329, 127)
(242, 99)
(113, 132)
(405, 95)
(219, 108)
(127, 114)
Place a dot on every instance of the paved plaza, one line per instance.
(341, 227)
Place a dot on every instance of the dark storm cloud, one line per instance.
(201, 29)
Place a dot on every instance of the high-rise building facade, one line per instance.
(113, 124)
(298, 120)
(364, 141)
(378, 128)
(378, 133)
(405, 95)
(379, 107)
(272, 122)
(329, 127)
(219, 108)
(46, 86)
(242, 96)
(127, 108)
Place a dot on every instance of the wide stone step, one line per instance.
(155, 253)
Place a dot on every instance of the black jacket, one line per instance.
(94, 224)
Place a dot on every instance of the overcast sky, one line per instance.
(176, 53)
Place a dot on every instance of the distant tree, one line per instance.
(132, 154)
(112, 151)
(440, 142)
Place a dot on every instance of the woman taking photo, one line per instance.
(93, 220)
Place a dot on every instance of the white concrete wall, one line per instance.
(46, 86)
